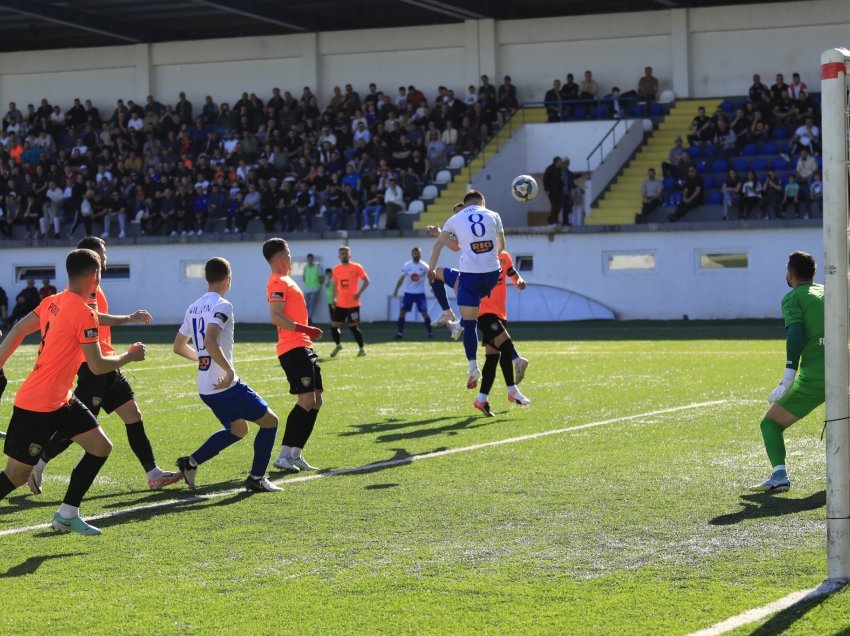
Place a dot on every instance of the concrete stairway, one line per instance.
(441, 208)
(622, 201)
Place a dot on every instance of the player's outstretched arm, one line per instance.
(181, 348)
(398, 285)
(100, 364)
(279, 320)
(140, 317)
(24, 327)
(435, 254)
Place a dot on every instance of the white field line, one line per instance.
(376, 466)
(758, 613)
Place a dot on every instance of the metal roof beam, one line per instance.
(255, 10)
(454, 9)
(70, 18)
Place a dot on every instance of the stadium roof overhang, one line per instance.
(44, 24)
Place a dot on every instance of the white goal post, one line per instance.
(834, 131)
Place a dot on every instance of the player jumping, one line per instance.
(481, 238)
(44, 405)
(414, 272)
(797, 395)
(110, 391)
(209, 324)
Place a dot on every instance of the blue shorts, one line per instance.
(409, 300)
(473, 287)
(239, 402)
(450, 276)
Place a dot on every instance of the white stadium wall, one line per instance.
(697, 52)
(577, 263)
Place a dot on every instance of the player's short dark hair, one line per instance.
(94, 243)
(415, 247)
(802, 264)
(216, 269)
(472, 195)
(273, 246)
(81, 262)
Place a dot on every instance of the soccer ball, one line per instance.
(524, 188)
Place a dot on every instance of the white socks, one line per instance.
(296, 452)
(69, 512)
(482, 397)
(285, 451)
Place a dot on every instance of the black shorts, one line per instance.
(302, 369)
(346, 314)
(29, 431)
(490, 326)
(107, 391)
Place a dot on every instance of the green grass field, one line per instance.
(640, 524)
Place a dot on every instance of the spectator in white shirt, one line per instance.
(52, 210)
(362, 133)
(136, 122)
(393, 203)
(471, 96)
(806, 136)
(806, 166)
(449, 137)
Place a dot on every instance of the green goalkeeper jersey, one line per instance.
(804, 305)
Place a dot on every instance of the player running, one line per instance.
(288, 312)
(347, 291)
(481, 239)
(414, 272)
(110, 391)
(45, 405)
(797, 395)
(209, 324)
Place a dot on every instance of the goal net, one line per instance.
(835, 64)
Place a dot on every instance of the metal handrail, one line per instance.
(611, 131)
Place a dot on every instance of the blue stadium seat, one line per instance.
(668, 183)
(780, 133)
(695, 152)
(760, 165)
(709, 182)
(579, 114)
(600, 112)
(720, 166)
(741, 103)
(728, 107)
(783, 179)
(715, 198)
(741, 165)
(674, 199)
(770, 148)
(656, 110)
(819, 159)
(702, 167)
(750, 150)
(779, 163)
(636, 110)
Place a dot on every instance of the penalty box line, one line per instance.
(375, 466)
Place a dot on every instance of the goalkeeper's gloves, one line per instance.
(784, 384)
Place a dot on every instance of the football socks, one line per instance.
(6, 486)
(488, 375)
(297, 425)
(335, 332)
(439, 289)
(355, 331)
(506, 362)
(263, 444)
(774, 441)
(82, 477)
(141, 445)
(470, 338)
(216, 443)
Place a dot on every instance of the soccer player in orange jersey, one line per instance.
(347, 291)
(499, 348)
(44, 405)
(288, 312)
(110, 391)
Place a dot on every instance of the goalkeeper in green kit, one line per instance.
(798, 394)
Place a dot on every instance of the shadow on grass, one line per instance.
(785, 619)
(401, 457)
(380, 486)
(33, 563)
(761, 506)
(421, 428)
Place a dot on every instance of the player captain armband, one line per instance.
(481, 247)
(204, 363)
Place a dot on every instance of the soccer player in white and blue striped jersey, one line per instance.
(209, 324)
(481, 238)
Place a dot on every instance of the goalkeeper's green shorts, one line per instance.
(804, 396)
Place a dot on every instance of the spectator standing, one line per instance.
(30, 295)
(183, 109)
(553, 186)
(46, 289)
(313, 280)
(647, 88)
(569, 178)
(758, 90)
(796, 87)
(569, 91)
(588, 89)
(652, 194)
(554, 102)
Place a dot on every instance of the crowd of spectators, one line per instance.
(174, 167)
(773, 141)
(570, 100)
